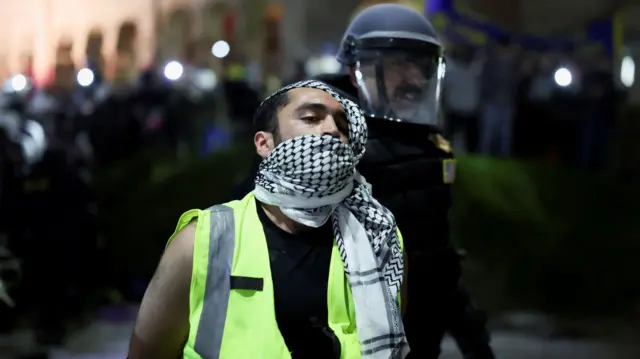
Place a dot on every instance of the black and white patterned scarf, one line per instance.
(313, 178)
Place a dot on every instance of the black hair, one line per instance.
(266, 117)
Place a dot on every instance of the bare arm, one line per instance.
(162, 326)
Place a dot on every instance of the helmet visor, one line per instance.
(400, 85)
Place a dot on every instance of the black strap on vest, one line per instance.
(247, 283)
(336, 347)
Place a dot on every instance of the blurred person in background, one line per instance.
(151, 102)
(10, 273)
(300, 72)
(499, 81)
(91, 89)
(597, 110)
(242, 99)
(538, 91)
(11, 174)
(462, 97)
(57, 245)
(49, 246)
(41, 105)
(566, 101)
(310, 217)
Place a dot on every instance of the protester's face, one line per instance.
(308, 112)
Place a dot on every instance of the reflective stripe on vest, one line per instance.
(208, 339)
(230, 323)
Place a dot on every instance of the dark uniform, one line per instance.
(396, 62)
(396, 66)
(411, 168)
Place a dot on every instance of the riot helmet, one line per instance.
(397, 64)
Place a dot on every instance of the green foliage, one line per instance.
(565, 238)
(142, 200)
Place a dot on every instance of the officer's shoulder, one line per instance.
(341, 83)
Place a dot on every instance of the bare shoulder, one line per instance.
(174, 270)
(178, 255)
(183, 241)
(162, 325)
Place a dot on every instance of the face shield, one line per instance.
(401, 82)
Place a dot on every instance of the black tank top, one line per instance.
(300, 272)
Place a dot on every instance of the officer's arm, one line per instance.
(162, 326)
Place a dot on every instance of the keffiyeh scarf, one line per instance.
(313, 179)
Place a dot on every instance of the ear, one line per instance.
(352, 76)
(264, 143)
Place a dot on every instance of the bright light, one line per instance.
(563, 77)
(205, 80)
(322, 65)
(173, 70)
(85, 77)
(33, 145)
(220, 49)
(19, 83)
(442, 70)
(627, 71)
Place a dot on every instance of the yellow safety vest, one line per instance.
(231, 302)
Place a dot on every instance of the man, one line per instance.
(395, 69)
(499, 81)
(598, 103)
(463, 84)
(248, 279)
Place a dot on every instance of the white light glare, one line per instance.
(206, 80)
(173, 70)
(19, 82)
(442, 70)
(220, 49)
(563, 77)
(322, 65)
(627, 71)
(85, 77)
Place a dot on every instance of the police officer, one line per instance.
(396, 65)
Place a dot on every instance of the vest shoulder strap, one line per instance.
(212, 262)
(186, 218)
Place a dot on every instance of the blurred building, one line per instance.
(117, 34)
(120, 36)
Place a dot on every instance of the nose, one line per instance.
(413, 73)
(330, 127)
